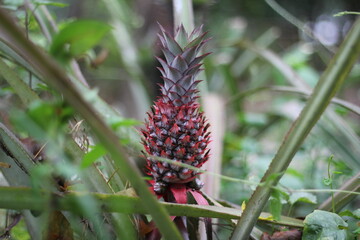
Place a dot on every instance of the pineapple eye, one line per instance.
(202, 145)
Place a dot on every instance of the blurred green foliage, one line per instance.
(256, 121)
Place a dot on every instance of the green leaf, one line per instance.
(324, 225)
(50, 3)
(97, 152)
(50, 115)
(353, 220)
(77, 37)
(275, 204)
(25, 93)
(348, 213)
(302, 197)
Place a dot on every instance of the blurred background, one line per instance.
(266, 57)
(228, 22)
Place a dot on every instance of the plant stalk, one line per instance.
(341, 198)
(183, 14)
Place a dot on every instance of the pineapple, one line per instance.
(176, 129)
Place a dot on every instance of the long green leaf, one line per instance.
(55, 77)
(328, 85)
(124, 204)
(22, 90)
(16, 154)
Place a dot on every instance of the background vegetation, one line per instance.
(99, 66)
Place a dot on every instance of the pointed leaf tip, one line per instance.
(162, 29)
(196, 41)
(181, 36)
(180, 64)
(196, 32)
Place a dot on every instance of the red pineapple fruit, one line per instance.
(176, 129)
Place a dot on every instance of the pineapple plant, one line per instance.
(176, 129)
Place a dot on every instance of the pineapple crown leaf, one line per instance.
(190, 53)
(181, 36)
(198, 41)
(179, 63)
(196, 32)
(187, 88)
(168, 55)
(169, 42)
(181, 40)
(173, 73)
(199, 58)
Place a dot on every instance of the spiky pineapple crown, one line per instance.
(182, 65)
(175, 128)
